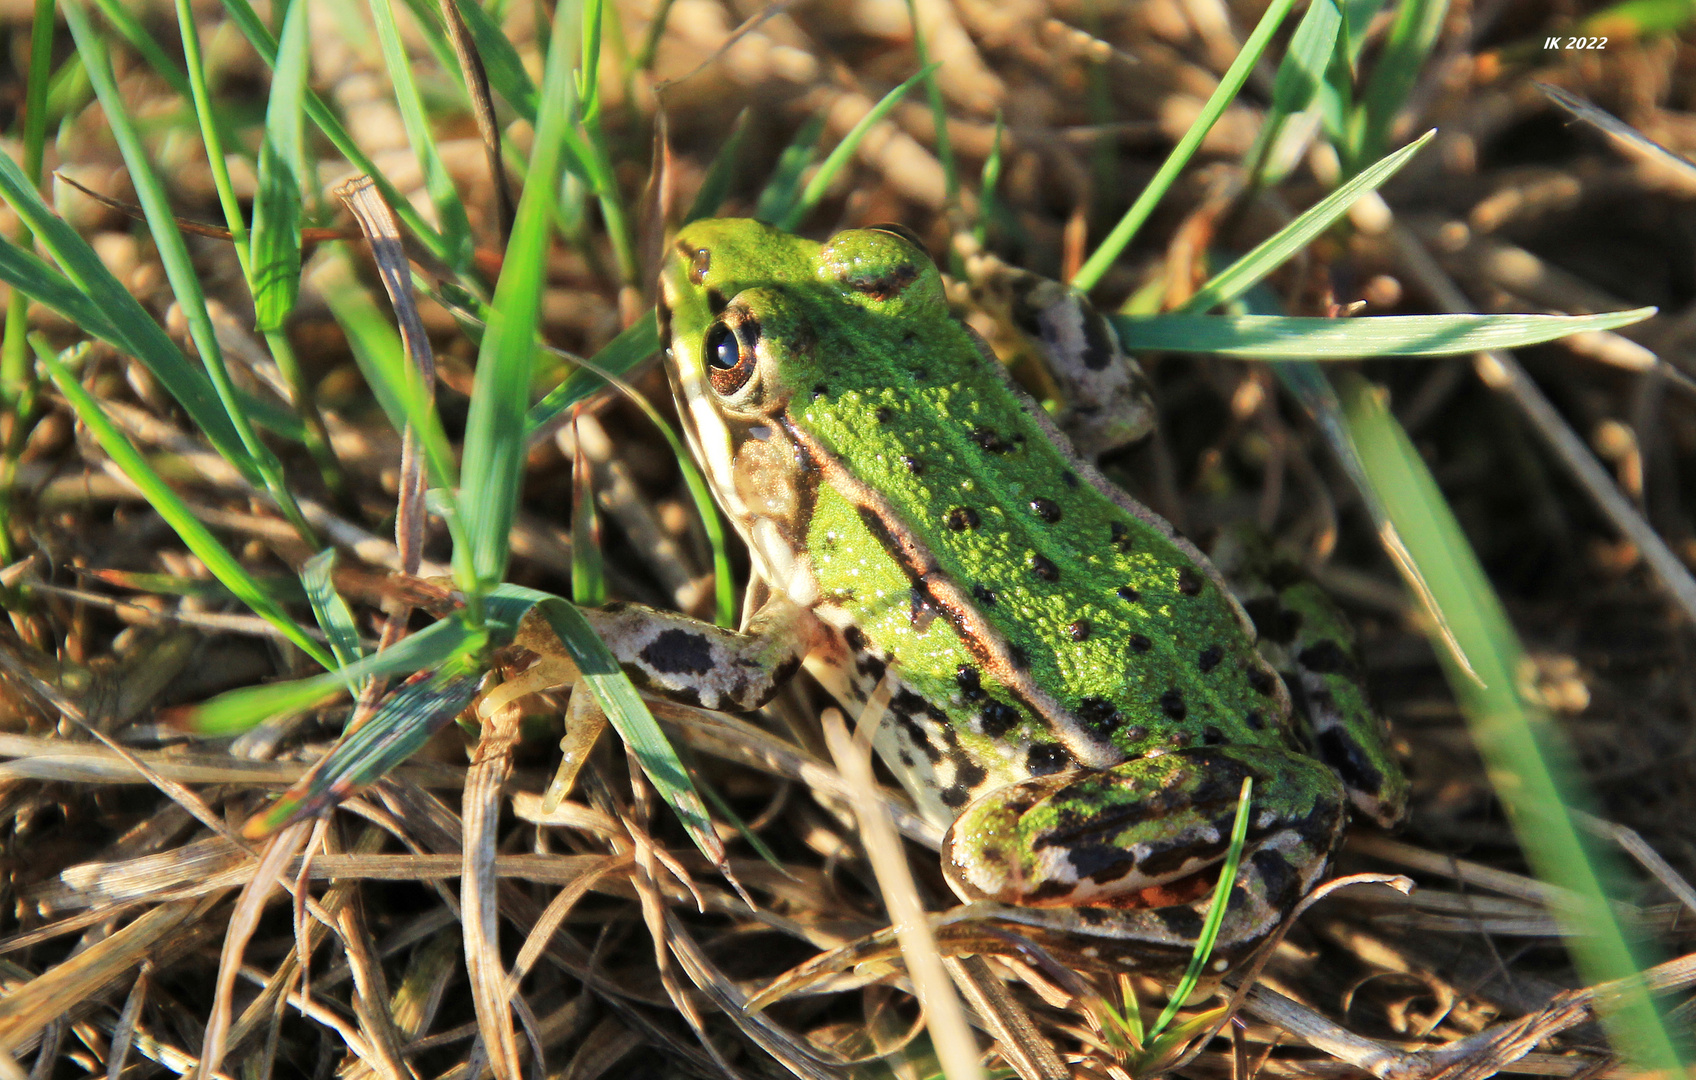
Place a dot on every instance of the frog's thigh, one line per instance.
(697, 663)
(1140, 835)
(1308, 640)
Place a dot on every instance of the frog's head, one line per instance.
(754, 319)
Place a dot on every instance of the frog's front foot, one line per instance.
(1141, 840)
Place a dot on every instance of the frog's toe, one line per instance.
(1144, 834)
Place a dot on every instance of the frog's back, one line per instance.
(1012, 588)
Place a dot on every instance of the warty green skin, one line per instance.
(1074, 692)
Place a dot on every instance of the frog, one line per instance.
(1070, 690)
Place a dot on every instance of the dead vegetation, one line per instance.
(143, 934)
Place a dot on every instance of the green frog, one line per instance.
(1073, 692)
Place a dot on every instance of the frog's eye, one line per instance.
(730, 356)
(897, 229)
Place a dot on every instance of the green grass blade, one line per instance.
(34, 278)
(239, 710)
(1300, 75)
(69, 91)
(123, 20)
(1215, 914)
(1090, 274)
(630, 717)
(724, 586)
(333, 615)
(1276, 249)
(989, 184)
(378, 351)
(783, 187)
(1394, 73)
(206, 547)
(17, 374)
(839, 157)
(132, 328)
(938, 107)
(589, 76)
(179, 267)
(618, 357)
(400, 727)
(247, 20)
(450, 211)
(727, 163)
(1527, 761)
(493, 460)
(428, 16)
(1281, 337)
(274, 268)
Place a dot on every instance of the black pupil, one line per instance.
(722, 350)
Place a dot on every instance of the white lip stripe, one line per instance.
(715, 447)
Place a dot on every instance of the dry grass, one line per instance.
(445, 921)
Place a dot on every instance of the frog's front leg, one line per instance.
(681, 658)
(1149, 834)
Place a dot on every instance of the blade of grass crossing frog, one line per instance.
(1089, 275)
(1300, 74)
(838, 158)
(1278, 248)
(1215, 915)
(331, 611)
(450, 212)
(179, 267)
(274, 269)
(635, 725)
(493, 457)
(199, 539)
(238, 710)
(1528, 763)
(107, 309)
(248, 22)
(727, 163)
(1308, 383)
(402, 724)
(784, 185)
(1287, 338)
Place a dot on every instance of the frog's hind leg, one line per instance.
(1310, 643)
(1105, 396)
(1150, 834)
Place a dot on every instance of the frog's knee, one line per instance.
(1145, 834)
